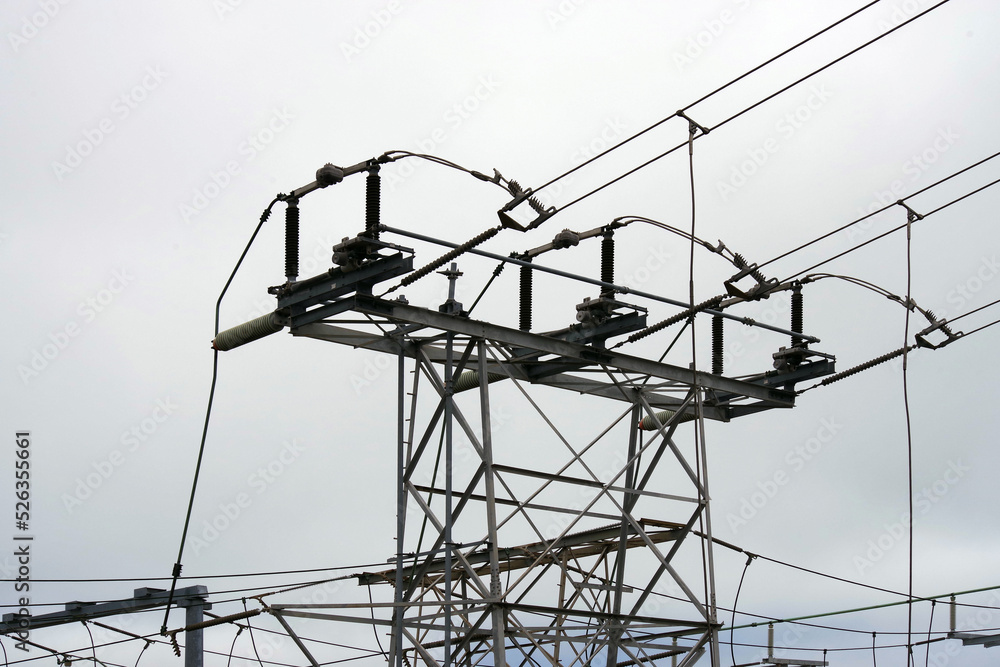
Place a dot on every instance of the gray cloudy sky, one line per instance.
(142, 141)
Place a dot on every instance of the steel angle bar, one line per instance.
(621, 289)
(418, 646)
(397, 311)
(368, 340)
(526, 505)
(336, 282)
(670, 443)
(663, 568)
(470, 433)
(651, 621)
(464, 564)
(579, 481)
(295, 638)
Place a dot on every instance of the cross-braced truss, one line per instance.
(522, 544)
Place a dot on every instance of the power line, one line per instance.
(705, 97)
(876, 212)
(706, 130)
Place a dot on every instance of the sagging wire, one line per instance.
(496, 179)
(176, 573)
(145, 645)
(239, 631)
(911, 217)
(732, 629)
(250, 630)
(93, 647)
(371, 608)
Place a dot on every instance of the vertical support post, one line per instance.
(396, 642)
(951, 613)
(194, 640)
(560, 619)
(709, 553)
(496, 612)
(770, 640)
(449, 456)
(628, 502)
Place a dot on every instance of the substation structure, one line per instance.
(522, 543)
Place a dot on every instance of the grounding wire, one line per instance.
(208, 415)
(746, 109)
(910, 217)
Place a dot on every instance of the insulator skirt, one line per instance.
(265, 325)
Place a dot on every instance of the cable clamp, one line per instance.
(693, 127)
(940, 325)
(911, 215)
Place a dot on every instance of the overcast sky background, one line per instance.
(142, 142)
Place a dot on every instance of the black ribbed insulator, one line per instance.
(868, 364)
(525, 309)
(741, 262)
(607, 262)
(372, 203)
(448, 256)
(717, 344)
(292, 241)
(797, 313)
(679, 317)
